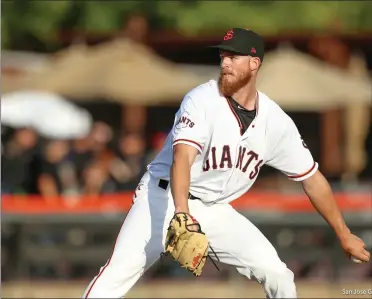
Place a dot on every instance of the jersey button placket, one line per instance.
(232, 169)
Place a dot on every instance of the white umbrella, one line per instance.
(49, 114)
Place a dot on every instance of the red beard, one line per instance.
(229, 84)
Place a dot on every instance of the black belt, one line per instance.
(164, 185)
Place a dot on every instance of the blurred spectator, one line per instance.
(57, 174)
(17, 157)
(101, 135)
(130, 164)
(92, 165)
(101, 142)
(157, 142)
(81, 155)
(96, 181)
(94, 147)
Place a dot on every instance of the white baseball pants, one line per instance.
(233, 237)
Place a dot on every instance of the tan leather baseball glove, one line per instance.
(187, 245)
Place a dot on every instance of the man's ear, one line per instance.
(254, 63)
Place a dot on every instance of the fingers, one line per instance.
(363, 256)
(360, 241)
(366, 254)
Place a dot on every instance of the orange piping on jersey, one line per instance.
(191, 141)
(257, 103)
(236, 116)
(304, 174)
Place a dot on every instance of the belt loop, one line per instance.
(163, 184)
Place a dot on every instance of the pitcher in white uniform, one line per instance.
(222, 135)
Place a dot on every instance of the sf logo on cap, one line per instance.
(229, 35)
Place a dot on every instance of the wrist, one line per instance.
(343, 232)
(180, 209)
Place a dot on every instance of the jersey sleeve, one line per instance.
(190, 125)
(291, 156)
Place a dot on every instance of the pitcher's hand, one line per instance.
(355, 248)
(187, 211)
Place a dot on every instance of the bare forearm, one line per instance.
(180, 184)
(321, 196)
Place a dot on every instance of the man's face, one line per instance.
(236, 71)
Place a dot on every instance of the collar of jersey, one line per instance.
(238, 106)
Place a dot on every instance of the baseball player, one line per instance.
(223, 133)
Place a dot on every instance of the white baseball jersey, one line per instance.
(229, 161)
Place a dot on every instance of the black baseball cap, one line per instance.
(243, 41)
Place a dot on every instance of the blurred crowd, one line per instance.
(101, 163)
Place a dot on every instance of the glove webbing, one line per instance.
(208, 256)
(213, 262)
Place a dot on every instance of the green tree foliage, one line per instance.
(266, 16)
(31, 21)
(23, 20)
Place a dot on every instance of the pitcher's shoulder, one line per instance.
(271, 105)
(204, 90)
(277, 120)
(202, 94)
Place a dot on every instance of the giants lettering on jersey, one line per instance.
(184, 121)
(245, 159)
